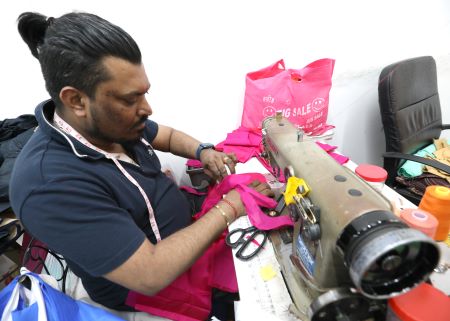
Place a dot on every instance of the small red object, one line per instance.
(423, 303)
(371, 173)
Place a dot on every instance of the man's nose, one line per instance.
(144, 108)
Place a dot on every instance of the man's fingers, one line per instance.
(213, 170)
(254, 184)
(262, 188)
(223, 171)
(229, 162)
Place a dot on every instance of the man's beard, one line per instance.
(96, 133)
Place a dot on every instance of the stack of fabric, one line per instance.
(10, 230)
(416, 177)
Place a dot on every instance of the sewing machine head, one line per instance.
(349, 251)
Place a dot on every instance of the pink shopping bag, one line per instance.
(300, 94)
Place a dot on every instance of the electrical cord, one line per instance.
(30, 256)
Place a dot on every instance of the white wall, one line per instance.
(197, 53)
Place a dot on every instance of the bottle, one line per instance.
(372, 174)
(436, 200)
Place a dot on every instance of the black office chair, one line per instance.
(411, 115)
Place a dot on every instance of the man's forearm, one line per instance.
(180, 250)
(181, 144)
(153, 267)
(175, 142)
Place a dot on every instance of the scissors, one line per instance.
(244, 237)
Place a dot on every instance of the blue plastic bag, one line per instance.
(43, 303)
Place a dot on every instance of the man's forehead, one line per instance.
(126, 78)
(119, 92)
(118, 67)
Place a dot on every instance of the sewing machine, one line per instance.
(349, 252)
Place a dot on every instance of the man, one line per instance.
(88, 183)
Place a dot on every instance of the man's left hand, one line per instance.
(215, 163)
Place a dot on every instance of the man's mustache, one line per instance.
(143, 120)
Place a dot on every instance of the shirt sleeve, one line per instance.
(151, 130)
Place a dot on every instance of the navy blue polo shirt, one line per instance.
(80, 204)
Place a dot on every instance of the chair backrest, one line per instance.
(409, 105)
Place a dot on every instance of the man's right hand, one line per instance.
(154, 266)
(235, 198)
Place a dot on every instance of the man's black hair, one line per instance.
(70, 49)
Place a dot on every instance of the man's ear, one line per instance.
(74, 100)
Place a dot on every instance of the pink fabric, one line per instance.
(243, 153)
(244, 137)
(341, 159)
(194, 163)
(192, 190)
(37, 250)
(326, 147)
(188, 298)
(252, 200)
(246, 143)
(223, 275)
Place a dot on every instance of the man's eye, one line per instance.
(129, 102)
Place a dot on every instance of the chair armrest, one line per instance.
(427, 161)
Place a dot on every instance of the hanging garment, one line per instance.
(14, 134)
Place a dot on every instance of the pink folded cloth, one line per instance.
(246, 143)
(194, 163)
(253, 201)
(326, 147)
(341, 159)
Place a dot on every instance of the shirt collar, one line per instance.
(44, 114)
